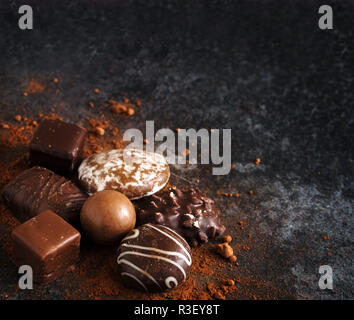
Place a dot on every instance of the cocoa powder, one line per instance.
(95, 277)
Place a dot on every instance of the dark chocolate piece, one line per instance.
(48, 244)
(57, 145)
(39, 189)
(189, 212)
(153, 258)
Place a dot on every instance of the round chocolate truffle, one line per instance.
(153, 258)
(107, 216)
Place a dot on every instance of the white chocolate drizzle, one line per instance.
(155, 253)
(133, 236)
(138, 269)
(174, 240)
(170, 279)
(135, 278)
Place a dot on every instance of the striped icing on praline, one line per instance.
(154, 258)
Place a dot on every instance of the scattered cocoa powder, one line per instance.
(99, 131)
(95, 277)
(119, 108)
(227, 238)
(224, 250)
(115, 131)
(122, 108)
(229, 282)
(242, 225)
(33, 87)
(130, 111)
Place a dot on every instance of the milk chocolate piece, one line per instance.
(189, 212)
(153, 258)
(48, 244)
(107, 216)
(57, 145)
(39, 189)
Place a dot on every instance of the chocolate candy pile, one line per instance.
(118, 198)
(192, 214)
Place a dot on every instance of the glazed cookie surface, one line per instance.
(133, 172)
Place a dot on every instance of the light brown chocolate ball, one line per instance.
(107, 216)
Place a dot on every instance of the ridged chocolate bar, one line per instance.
(38, 189)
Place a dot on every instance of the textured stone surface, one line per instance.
(265, 70)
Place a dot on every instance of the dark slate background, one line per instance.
(262, 68)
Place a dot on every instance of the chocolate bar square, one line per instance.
(39, 189)
(48, 244)
(57, 145)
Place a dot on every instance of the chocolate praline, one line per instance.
(107, 216)
(57, 145)
(153, 258)
(38, 189)
(48, 244)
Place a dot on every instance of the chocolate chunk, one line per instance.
(189, 212)
(57, 145)
(153, 258)
(48, 244)
(133, 172)
(39, 189)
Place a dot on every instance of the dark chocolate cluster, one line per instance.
(190, 212)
